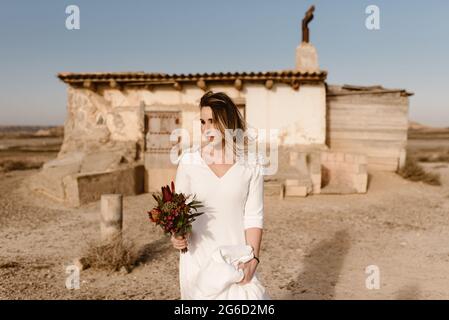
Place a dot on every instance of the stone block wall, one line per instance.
(344, 172)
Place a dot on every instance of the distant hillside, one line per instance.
(419, 131)
(413, 125)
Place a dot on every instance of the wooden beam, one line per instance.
(177, 86)
(89, 85)
(269, 84)
(238, 84)
(201, 84)
(295, 84)
(114, 85)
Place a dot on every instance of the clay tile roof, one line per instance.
(155, 78)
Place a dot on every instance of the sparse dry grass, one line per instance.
(414, 172)
(9, 264)
(442, 156)
(113, 255)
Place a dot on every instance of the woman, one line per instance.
(232, 195)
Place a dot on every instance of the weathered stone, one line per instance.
(101, 161)
(49, 181)
(74, 158)
(81, 263)
(124, 270)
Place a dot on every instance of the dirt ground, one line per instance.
(316, 247)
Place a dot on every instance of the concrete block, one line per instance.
(155, 178)
(363, 168)
(314, 163)
(331, 157)
(83, 188)
(349, 157)
(324, 156)
(360, 182)
(127, 181)
(353, 167)
(296, 191)
(340, 157)
(361, 159)
(291, 182)
(111, 216)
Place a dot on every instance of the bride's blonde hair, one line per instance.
(225, 116)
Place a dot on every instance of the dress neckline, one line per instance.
(211, 171)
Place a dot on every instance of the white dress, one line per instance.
(232, 203)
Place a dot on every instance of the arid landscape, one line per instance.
(316, 247)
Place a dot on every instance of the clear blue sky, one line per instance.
(409, 51)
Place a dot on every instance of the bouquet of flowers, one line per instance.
(173, 214)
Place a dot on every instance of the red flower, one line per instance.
(154, 215)
(166, 194)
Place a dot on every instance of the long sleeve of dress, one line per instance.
(253, 215)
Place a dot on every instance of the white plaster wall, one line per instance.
(300, 115)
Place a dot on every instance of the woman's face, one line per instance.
(207, 124)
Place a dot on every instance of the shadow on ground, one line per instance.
(322, 267)
(410, 292)
(154, 250)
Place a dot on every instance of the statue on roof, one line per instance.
(305, 24)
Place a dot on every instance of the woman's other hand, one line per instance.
(248, 269)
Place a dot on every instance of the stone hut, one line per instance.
(118, 125)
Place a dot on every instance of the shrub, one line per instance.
(112, 255)
(413, 171)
